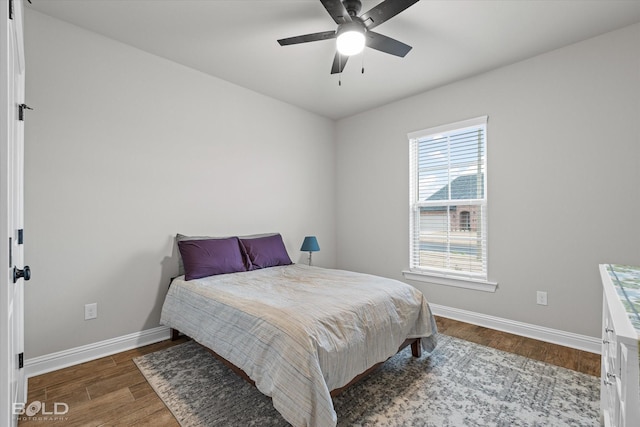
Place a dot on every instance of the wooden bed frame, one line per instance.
(416, 351)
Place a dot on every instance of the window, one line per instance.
(448, 223)
(465, 221)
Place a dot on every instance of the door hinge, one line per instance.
(21, 360)
(11, 8)
(21, 109)
(21, 236)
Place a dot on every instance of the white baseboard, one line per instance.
(555, 336)
(74, 356)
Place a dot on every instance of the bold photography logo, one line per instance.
(40, 410)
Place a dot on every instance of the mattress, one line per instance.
(300, 331)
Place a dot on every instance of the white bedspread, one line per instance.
(300, 331)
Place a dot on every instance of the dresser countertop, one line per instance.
(626, 281)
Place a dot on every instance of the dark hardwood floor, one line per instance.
(111, 391)
(577, 360)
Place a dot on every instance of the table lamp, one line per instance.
(310, 244)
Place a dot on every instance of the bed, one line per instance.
(299, 332)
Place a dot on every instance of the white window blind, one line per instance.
(448, 223)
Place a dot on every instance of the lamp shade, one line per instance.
(310, 244)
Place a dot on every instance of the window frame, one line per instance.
(445, 276)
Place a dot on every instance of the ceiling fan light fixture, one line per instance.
(354, 30)
(350, 40)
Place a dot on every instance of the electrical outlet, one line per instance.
(541, 298)
(90, 311)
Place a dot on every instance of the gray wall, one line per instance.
(125, 149)
(563, 180)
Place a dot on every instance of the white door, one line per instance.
(12, 66)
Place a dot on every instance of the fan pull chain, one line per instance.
(363, 62)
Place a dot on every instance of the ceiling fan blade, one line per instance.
(325, 35)
(337, 11)
(386, 44)
(385, 11)
(339, 61)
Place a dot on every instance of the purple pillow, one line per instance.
(268, 251)
(209, 257)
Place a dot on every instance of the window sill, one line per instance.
(458, 282)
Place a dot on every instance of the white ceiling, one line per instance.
(235, 40)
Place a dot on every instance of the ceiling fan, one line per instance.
(354, 31)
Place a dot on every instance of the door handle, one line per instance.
(24, 273)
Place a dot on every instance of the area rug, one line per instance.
(459, 384)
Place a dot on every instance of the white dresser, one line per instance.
(620, 370)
